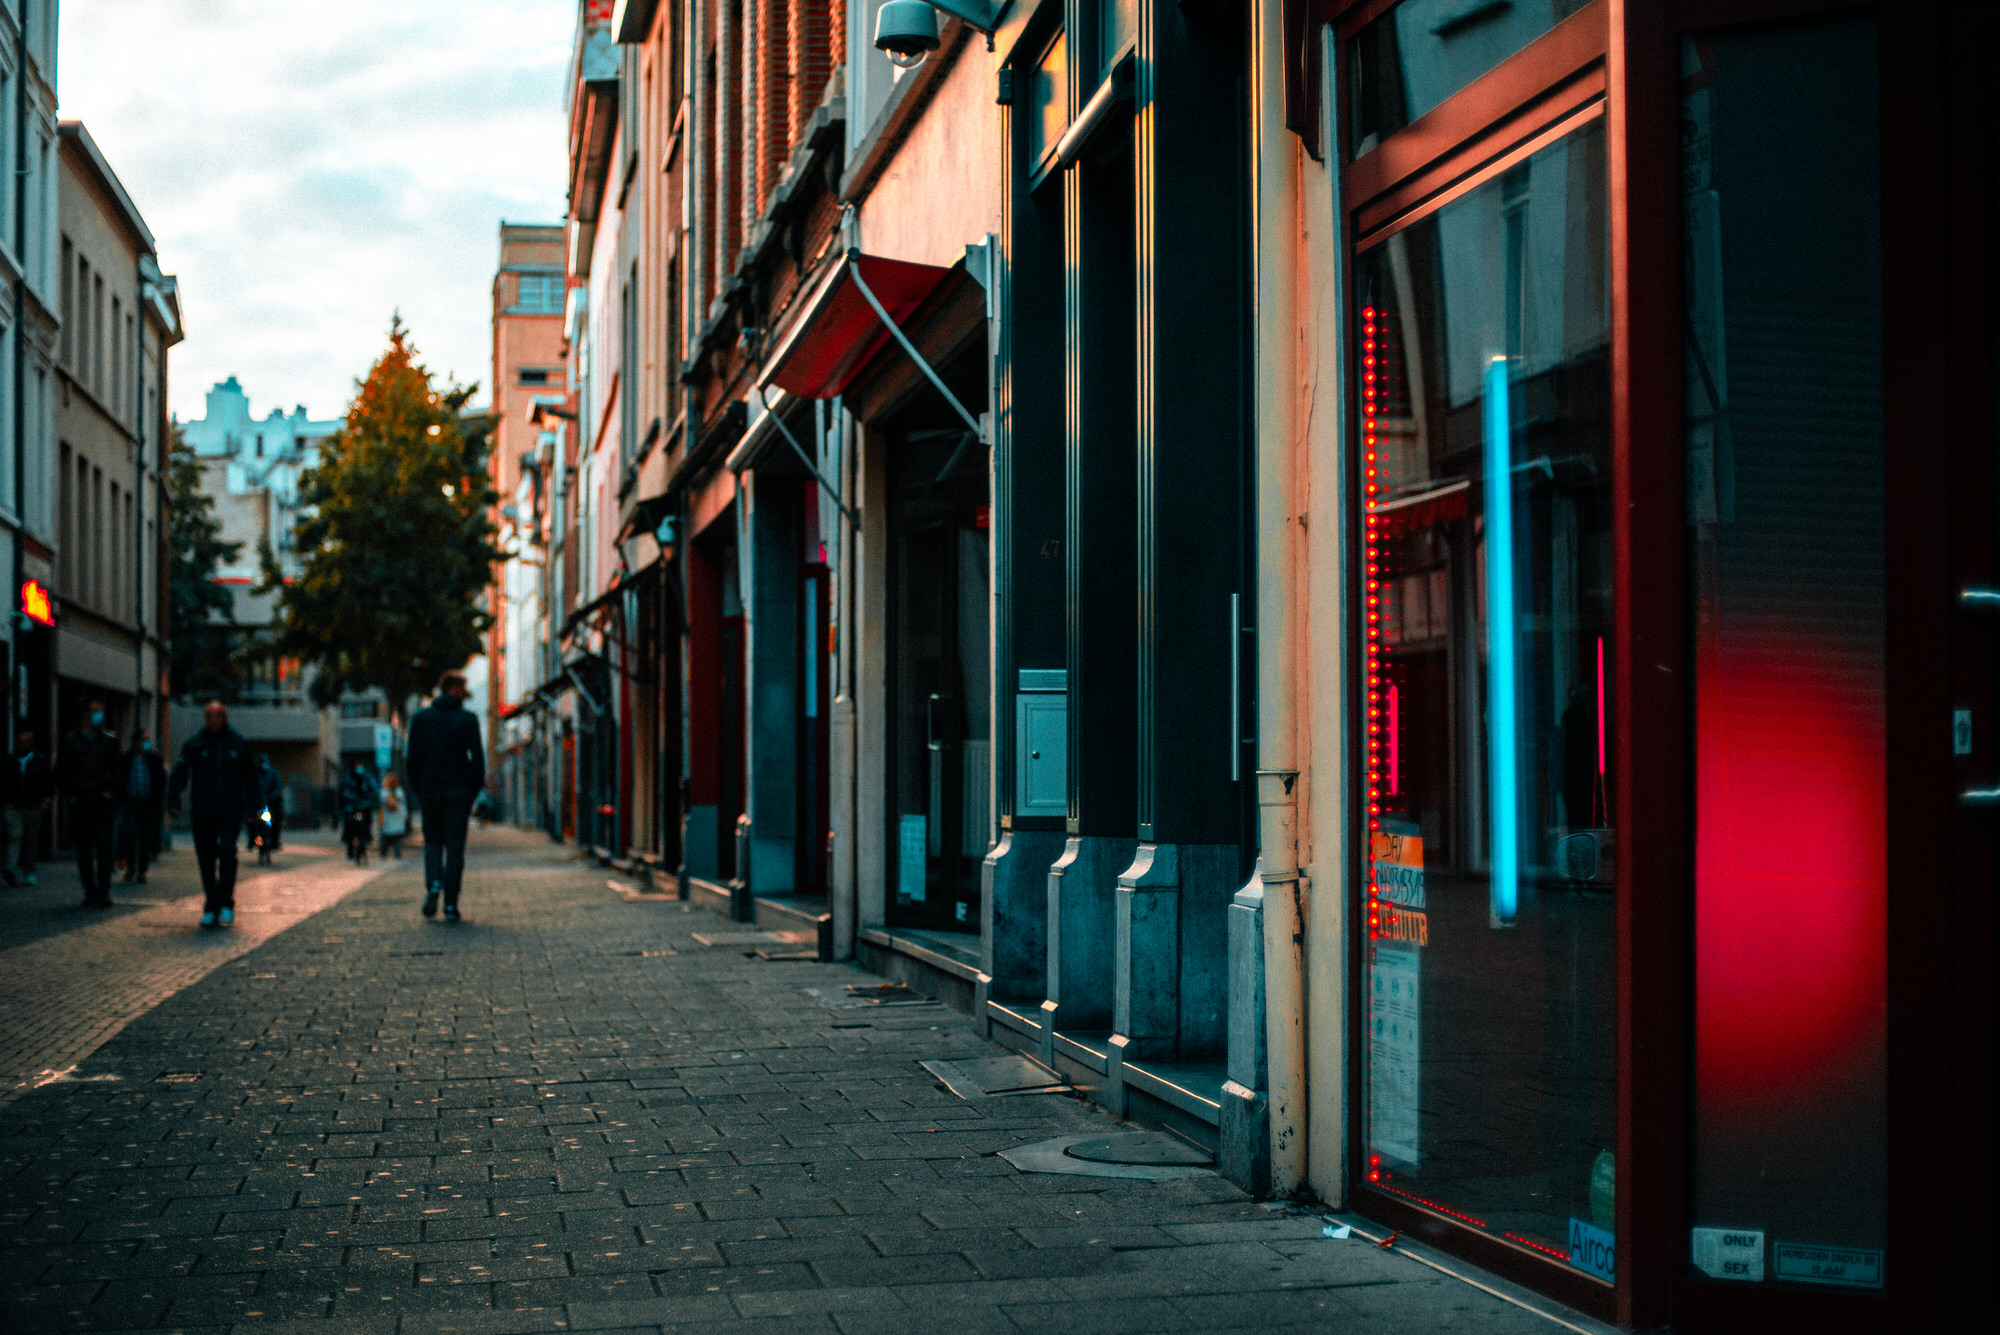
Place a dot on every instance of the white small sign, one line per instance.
(1850, 1267)
(1730, 1253)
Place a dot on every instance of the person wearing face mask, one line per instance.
(215, 763)
(87, 771)
(142, 790)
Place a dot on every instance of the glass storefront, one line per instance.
(1482, 333)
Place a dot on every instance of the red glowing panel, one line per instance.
(36, 603)
(1791, 861)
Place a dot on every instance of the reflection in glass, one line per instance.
(1487, 487)
(1048, 102)
(1117, 30)
(1784, 421)
(1421, 52)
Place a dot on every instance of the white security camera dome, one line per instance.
(907, 30)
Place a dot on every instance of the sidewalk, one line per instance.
(566, 1114)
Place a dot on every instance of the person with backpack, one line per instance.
(446, 765)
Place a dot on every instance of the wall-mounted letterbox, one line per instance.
(1041, 743)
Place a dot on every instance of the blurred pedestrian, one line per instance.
(271, 792)
(142, 791)
(215, 764)
(87, 772)
(358, 799)
(446, 764)
(26, 788)
(395, 816)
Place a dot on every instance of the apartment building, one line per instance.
(120, 316)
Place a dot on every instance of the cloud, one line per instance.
(308, 168)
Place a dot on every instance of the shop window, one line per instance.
(1483, 339)
(1784, 421)
(1421, 52)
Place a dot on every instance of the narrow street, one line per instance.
(567, 1113)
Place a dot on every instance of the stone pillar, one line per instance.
(1245, 1157)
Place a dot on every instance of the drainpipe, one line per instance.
(20, 329)
(1275, 198)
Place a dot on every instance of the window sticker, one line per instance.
(1593, 1250)
(1849, 1267)
(1395, 1050)
(1729, 1253)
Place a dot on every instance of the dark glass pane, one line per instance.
(1785, 469)
(1422, 51)
(1048, 102)
(1487, 490)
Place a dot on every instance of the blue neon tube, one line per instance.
(1502, 725)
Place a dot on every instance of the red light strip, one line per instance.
(1544, 1250)
(1373, 589)
(1432, 1205)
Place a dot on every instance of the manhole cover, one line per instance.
(1138, 1147)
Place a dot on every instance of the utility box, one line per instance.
(1041, 743)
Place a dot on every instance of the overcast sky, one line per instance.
(308, 167)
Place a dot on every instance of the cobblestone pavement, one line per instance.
(565, 1114)
(70, 978)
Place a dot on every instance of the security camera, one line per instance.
(907, 30)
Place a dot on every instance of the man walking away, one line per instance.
(26, 787)
(446, 765)
(87, 770)
(271, 791)
(358, 799)
(142, 790)
(216, 764)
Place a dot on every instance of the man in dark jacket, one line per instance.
(87, 771)
(27, 786)
(142, 791)
(216, 764)
(446, 766)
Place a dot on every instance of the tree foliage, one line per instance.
(395, 540)
(200, 612)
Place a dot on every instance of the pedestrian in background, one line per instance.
(358, 799)
(446, 763)
(26, 788)
(142, 791)
(395, 816)
(271, 791)
(215, 766)
(87, 772)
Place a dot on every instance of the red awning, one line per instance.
(839, 332)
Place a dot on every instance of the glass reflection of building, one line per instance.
(1483, 339)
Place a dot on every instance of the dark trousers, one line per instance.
(445, 817)
(91, 819)
(215, 853)
(139, 834)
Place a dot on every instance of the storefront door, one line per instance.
(939, 692)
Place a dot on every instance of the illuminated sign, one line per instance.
(36, 604)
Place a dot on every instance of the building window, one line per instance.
(539, 294)
(534, 375)
(68, 351)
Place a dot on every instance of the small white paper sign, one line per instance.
(1729, 1253)
(1853, 1267)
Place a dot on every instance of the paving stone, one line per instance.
(528, 1132)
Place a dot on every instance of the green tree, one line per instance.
(200, 612)
(395, 543)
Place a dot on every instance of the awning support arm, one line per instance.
(577, 682)
(854, 272)
(806, 459)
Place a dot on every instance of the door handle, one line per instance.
(1980, 797)
(1974, 595)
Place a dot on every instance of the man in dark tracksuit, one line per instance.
(446, 766)
(87, 770)
(216, 763)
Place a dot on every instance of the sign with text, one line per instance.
(1729, 1253)
(1849, 1267)
(1593, 1250)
